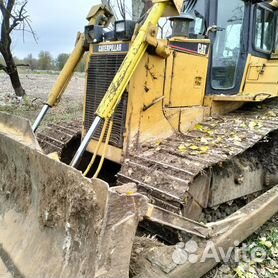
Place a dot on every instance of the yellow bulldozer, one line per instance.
(177, 143)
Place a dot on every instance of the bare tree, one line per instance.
(120, 8)
(14, 16)
(106, 2)
(137, 8)
(140, 7)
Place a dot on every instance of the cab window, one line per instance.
(197, 10)
(227, 44)
(276, 37)
(264, 32)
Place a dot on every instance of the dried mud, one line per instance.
(48, 212)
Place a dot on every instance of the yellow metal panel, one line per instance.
(191, 116)
(146, 120)
(136, 89)
(173, 116)
(188, 80)
(254, 71)
(245, 74)
(261, 77)
(112, 153)
(221, 107)
(155, 127)
(154, 79)
(241, 98)
(168, 78)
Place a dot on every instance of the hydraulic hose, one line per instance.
(97, 148)
(104, 150)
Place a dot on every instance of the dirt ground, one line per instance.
(38, 86)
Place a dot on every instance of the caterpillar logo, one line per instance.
(104, 48)
(202, 49)
(191, 47)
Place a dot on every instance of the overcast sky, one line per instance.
(56, 23)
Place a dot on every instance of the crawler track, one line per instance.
(61, 138)
(232, 145)
(221, 148)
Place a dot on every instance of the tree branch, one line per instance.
(19, 17)
(14, 17)
(22, 65)
(4, 68)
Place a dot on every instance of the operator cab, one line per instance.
(235, 30)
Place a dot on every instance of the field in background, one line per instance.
(38, 85)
